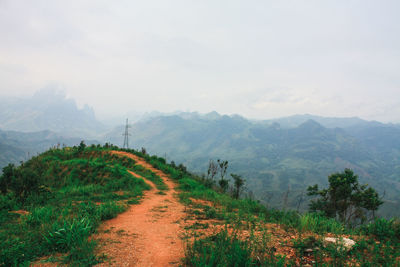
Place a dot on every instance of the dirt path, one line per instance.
(148, 234)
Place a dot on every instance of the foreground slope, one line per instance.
(51, 204)
(68, 218)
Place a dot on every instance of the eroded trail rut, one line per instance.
(147, 234)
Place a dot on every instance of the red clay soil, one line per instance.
(148, 234)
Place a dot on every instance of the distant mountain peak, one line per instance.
(49, 109)
(213, 115)
(311, 124)
(50, 92)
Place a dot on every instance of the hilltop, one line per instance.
(58, 207)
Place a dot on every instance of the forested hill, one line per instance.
(279, 159)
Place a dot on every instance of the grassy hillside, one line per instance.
(246, 233)
(55, 201)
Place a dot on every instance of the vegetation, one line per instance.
(52, 203)
(223, 183)
(74, 189)
(274, 156)
(246, 237)
(345, 199)
(238, 183)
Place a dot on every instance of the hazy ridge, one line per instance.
(275, 156)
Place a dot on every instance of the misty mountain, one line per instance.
(20, 146)
(273, 158)
(48, 110)
(328, 122)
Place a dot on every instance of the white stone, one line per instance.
(346, 243)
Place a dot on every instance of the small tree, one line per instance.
(22, 182)
(81, 146)
(345, 199)
(7, 177)
(223, 184)
(211, 172)
(182, 168)
(212, 169)
(238, 183)
(223, 166)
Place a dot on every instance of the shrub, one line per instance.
(318, 223)
(40, 215)
(210, 212)
(68, 236)
(383, 229)
(7, 202)
(221, 249)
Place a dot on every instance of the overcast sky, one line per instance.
(261, 59)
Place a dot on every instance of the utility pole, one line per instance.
(126, 136)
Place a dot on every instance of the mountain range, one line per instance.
(279, 157)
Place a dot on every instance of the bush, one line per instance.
(318, 223)
(221, 249)
(39, 216)
(210, 212)
(383, 229)
(70, 235)
(7, 202)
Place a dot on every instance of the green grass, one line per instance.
(75, 189)
(378, 244)
(138, 169)
(228, 249)
(217, 250)
(317, 223)
(72, 190)
(148, 174)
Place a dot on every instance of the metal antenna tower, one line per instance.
(126, 135)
